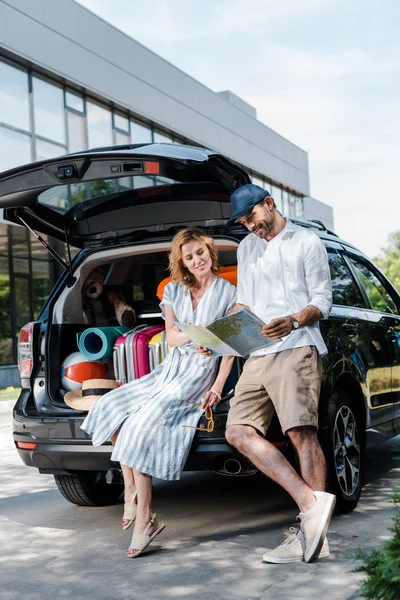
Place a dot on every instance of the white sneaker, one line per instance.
(315, 523)
(292, 549)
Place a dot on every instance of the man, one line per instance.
(284, 278)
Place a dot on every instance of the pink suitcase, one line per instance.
(131, 353)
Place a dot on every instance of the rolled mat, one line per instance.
(97, 342)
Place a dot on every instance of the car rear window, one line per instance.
(63, 197)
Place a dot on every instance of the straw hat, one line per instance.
(92, 390)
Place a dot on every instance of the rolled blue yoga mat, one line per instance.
(97, 342)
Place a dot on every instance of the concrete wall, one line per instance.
(64, 38)
(314, 209)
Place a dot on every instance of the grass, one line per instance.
(9, 393)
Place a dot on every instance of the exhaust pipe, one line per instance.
(232, 466)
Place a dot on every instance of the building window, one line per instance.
(121, 123)
(14, 104)
(140, 134)
(76, 132)
(99, 126)
(276, 193)
(162, 138)
(299, 208)
(48, 103)
(6, 336)
(15, 149)
(74, 102)
(48, 150)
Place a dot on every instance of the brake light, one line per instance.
(26, 445)
(152, 168)
(25, 356)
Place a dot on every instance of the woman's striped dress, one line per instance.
(152, 410)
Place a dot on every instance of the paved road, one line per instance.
(217, 531)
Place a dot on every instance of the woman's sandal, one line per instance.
(129, 513)
(140, 541)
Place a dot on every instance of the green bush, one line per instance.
(383, 566)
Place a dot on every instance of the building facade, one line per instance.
(70, 81)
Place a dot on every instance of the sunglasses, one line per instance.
(209, 416)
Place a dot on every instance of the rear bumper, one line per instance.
(55, 456)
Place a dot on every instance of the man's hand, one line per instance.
(278, 328)
(203, 351)
(212, 398)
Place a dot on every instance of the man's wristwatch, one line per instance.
(295, 324)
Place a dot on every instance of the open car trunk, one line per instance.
(137, 272)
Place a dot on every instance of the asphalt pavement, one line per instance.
(217, 530)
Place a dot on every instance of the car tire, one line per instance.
(88, 488)
(343, 445)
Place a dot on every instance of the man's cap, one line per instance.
(244, 198)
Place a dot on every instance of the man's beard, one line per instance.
(263, 229)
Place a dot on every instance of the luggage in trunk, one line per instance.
(131, 355)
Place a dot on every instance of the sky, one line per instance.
(323, 73)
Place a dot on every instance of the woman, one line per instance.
(152, 420)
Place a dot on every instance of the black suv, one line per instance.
(121, 206)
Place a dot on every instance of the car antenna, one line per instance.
(53, 253)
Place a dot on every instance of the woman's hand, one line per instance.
(203, 351)
(212, 398)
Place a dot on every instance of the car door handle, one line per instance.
(349, 328)
(392, 334)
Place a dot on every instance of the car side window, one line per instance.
(344, 289)
(378, 295)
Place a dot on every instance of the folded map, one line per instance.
(238, 334)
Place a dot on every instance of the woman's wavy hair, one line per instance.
(179, 272)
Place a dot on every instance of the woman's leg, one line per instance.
(144, 510)
(129, 482)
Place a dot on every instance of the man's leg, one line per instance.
(311, 457)
(271, 462)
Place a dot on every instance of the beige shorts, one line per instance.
(288, 382)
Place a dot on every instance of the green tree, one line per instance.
(389, 260)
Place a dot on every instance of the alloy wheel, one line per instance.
(347, 451)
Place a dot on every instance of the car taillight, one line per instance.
(25, 357)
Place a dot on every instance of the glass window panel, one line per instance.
(99, 126)
(15, 149)
(48, 105)
(6, 340)
(285, 202)
(14, 106)
(121, 122)
(76, 132)
(344, 289)
(162, 138)
(140, 133)
(292, 205)
(5, 297)
(257, 181)
(21, 265)
(122, 138)
(276, 194)
(46, 150)
(299, 208)
(378, 295)
(3, 239)
(22, 309)
(41, 284)
(19, 241)
(74, 101)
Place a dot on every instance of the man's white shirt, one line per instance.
(282, 277)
